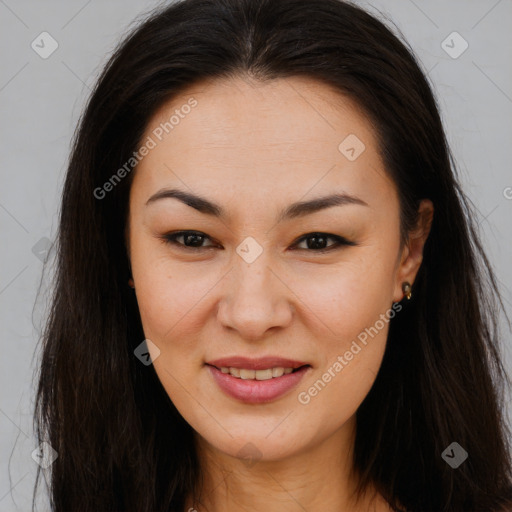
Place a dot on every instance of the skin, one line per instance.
(254, 149)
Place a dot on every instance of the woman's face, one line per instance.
(252, 286)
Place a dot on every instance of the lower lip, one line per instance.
(257, 391)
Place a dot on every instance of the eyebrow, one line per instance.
(295, 210)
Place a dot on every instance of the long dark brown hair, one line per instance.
(121, 443)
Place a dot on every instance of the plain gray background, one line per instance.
(41, 99)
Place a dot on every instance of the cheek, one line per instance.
(334, 394)
(350, 354)
(169, 304)
(354, 308)
(355, 324)
(168, 293)
(349, 298)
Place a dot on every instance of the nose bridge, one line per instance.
(252, 281)
(255, 299)
(252, 264)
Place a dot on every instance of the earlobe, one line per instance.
(407, 289)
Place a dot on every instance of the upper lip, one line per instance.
(261, 363)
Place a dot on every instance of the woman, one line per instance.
(270, 293)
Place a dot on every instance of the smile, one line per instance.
(257, 381)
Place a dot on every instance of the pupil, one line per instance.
(195, 237)
(317, 245)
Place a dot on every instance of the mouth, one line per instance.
(257, 381)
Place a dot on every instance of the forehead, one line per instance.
(281, 137)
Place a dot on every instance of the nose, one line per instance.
(255, 300)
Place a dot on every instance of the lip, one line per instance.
(257, 391)
(261, 363)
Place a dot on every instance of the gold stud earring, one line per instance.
(131, 283)
(406, 288)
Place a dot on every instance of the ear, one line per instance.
(412, 252)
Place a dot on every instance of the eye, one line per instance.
(315, 242)
(318, 242)
(192, 240)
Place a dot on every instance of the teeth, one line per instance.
(246, 374)
(267, 374)
(277, 372)
(264, 374)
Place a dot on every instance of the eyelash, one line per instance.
(170, 238)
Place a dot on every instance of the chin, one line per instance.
(255, 444)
